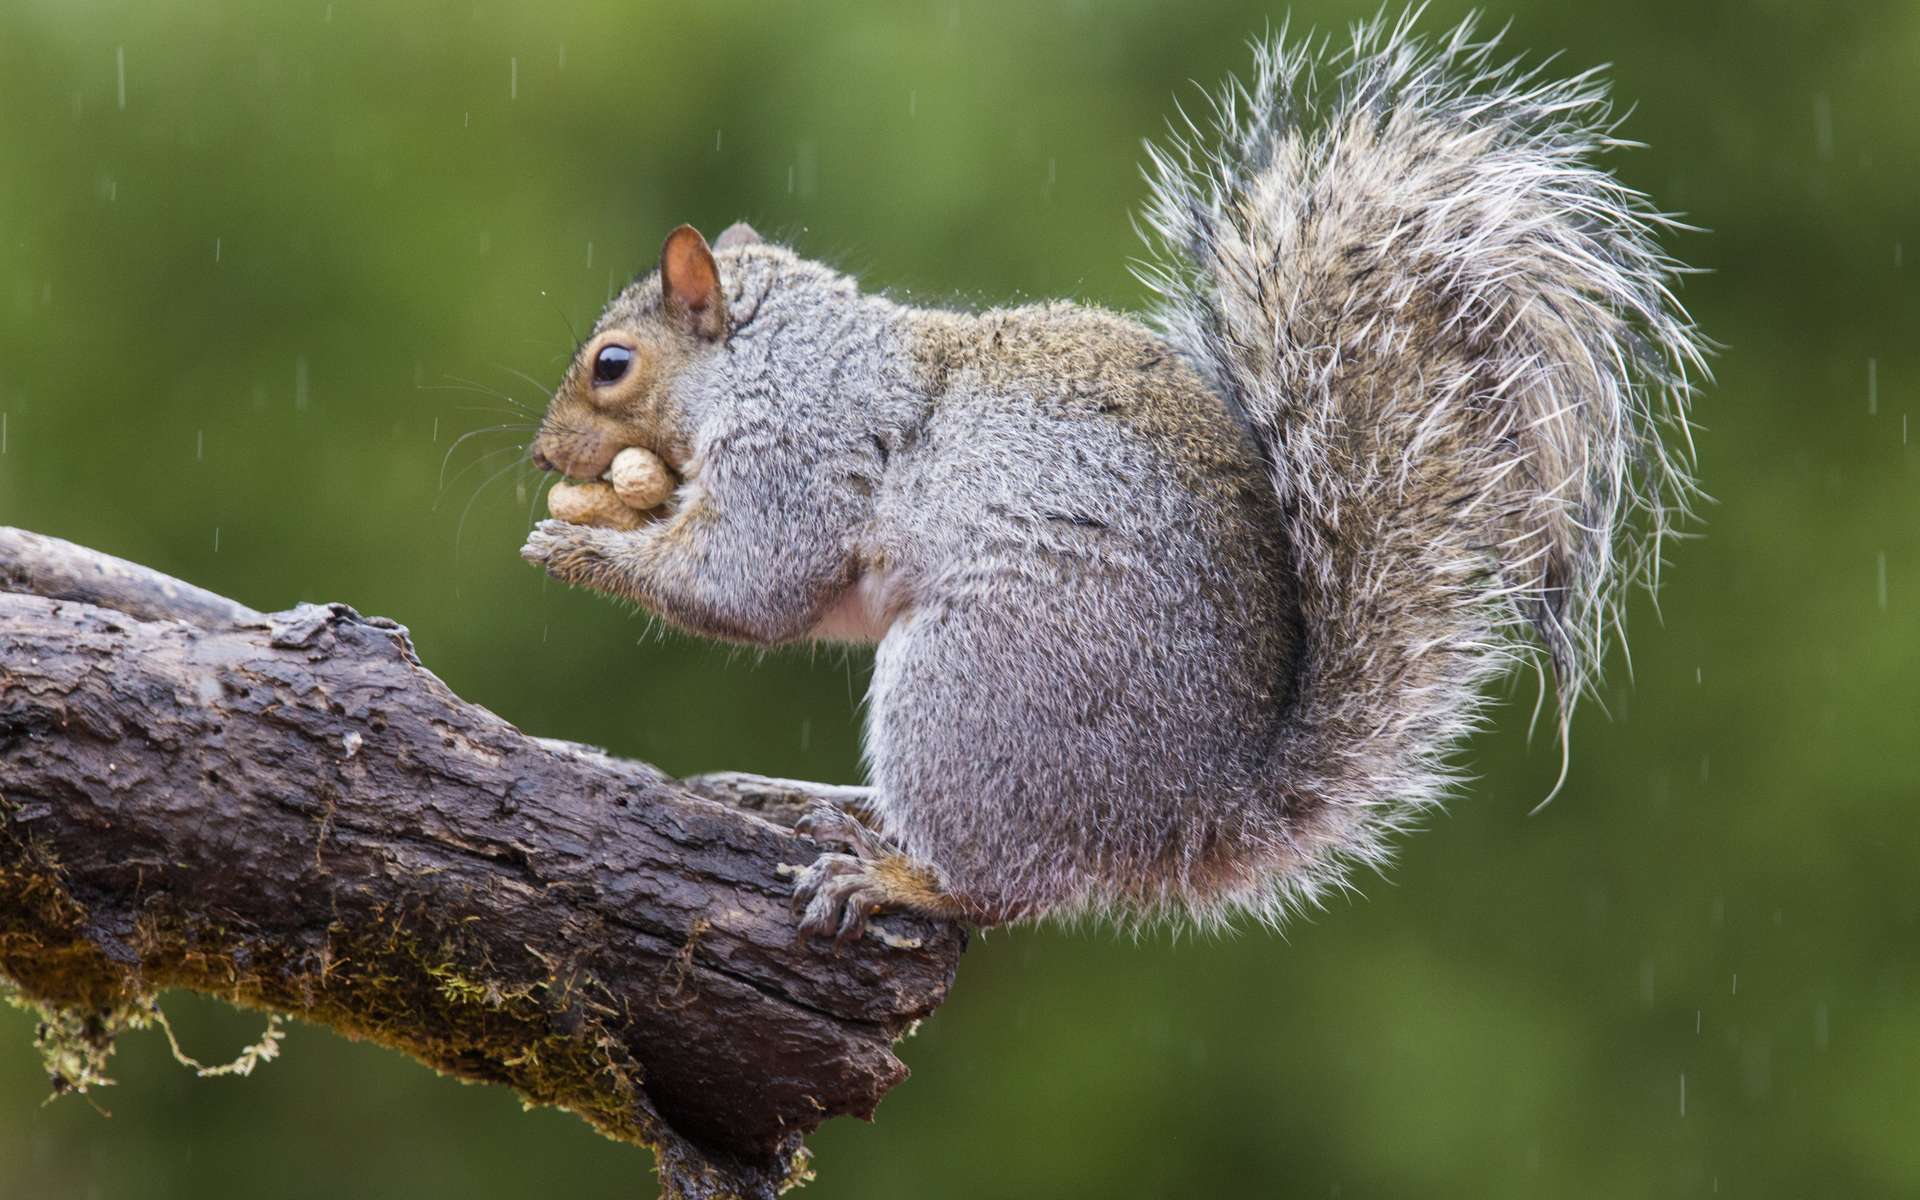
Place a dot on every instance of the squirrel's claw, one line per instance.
(838, 830)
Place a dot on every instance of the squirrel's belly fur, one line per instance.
(863, 612)
(1185, 617)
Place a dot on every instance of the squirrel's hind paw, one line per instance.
(835, 896)
(839, 893)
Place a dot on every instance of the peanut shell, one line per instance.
(590, 504)
(640, 479)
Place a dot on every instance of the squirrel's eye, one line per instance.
(611, 364)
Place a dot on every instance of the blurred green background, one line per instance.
(249, 252)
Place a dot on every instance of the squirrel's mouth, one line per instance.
(587, 457)
(577, 460)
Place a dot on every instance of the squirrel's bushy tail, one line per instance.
(1453, 335)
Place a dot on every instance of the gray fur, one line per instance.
(1185, 622)
(1454, 334)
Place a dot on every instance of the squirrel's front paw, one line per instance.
(544, 539)
(570, 553)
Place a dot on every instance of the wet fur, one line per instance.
(1187, 617)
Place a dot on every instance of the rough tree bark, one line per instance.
(287, 811)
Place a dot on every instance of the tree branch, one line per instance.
(289, 812)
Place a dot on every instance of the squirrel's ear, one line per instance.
(736, 235)
(690, 283)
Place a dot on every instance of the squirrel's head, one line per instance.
(619, 390)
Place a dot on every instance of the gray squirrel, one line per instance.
(1182, 617)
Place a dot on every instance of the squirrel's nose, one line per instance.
(542, 461)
